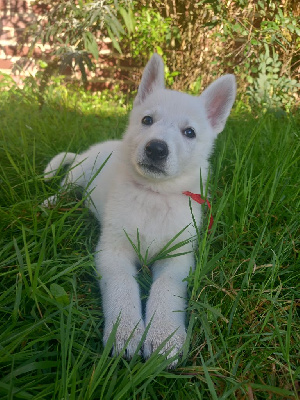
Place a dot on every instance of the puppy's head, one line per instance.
(170, 133)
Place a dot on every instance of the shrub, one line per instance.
(74, 30)
(258, 41)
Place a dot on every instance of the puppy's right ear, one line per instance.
(153, 78)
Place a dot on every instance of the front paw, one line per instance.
(126, 329)
(158, 332)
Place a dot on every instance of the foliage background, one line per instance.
(258, 41)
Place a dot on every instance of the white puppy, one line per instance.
(167, 143)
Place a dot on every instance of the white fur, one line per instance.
(126, 196)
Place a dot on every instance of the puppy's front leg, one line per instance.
(166, 305)
(120, 296)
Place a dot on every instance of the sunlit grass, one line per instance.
(243, 327)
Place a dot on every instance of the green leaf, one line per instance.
(90, 44)
(209, 381)
(59, 293)
(128, 19)
(272, 389)
(114, 42)
(43, 64)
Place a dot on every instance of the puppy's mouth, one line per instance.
(151, 169)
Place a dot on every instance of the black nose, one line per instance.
(156, 150)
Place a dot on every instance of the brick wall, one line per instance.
(16, 15)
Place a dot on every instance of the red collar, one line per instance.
(198, 198)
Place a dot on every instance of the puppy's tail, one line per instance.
(57, 162)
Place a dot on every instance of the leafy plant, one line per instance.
(150, 33)
(200, 39)
(212, 37)
(269, 89)
(80, 25)
(75, 30)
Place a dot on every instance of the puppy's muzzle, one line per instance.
(156, 150)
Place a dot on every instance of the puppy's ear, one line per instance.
(218, 99)
(153, 78)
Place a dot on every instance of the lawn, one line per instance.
(243, 326)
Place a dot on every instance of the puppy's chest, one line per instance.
(158, 218)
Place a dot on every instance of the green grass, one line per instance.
(243, 326)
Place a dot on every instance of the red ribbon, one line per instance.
(198, 198)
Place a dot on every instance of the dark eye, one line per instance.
(190, 133)
(147, 120)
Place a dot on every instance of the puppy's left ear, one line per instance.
(218, 99)
(153, 78)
